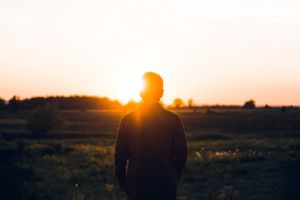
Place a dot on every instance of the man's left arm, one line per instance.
(121, 153)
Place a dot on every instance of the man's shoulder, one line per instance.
(171, 114)
(129, 115)
(135, 115)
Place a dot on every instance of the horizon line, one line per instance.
(138, 101)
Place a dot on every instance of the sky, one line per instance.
(215, 52)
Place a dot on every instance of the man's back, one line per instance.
(152, 140)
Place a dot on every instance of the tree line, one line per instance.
(92, 103)
(62, 102)
(84, 102)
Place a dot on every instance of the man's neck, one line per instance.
(150, 103)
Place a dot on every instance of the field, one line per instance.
(232, 154)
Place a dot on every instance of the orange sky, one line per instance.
(212, 51)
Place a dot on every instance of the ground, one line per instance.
(224, 161)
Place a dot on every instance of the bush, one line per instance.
(249, 104)
(2, 103)
(13, 103)
(178, 103)
(44, 119)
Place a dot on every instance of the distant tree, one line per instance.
(249, 104)
(283, 109)
(43, 119)
(178, 103)
(14, 103)
(267, 106)
(190, 102)
(2, 103)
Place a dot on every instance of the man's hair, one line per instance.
(153, 86)
(153, 81)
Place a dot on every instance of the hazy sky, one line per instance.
(214, 51)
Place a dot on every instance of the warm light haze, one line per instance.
(216, 51)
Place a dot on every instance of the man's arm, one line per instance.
(121, 153)
(180, 147)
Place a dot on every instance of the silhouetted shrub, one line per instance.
(2, 103)
(178, 102)
(267, 106)
(44, 119)
(13, 103)
(190, 102)
(249, 104)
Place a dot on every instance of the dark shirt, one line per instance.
(152, 144)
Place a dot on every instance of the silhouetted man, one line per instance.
(150, 150)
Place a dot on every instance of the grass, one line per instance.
(231, 168)
(226, 120)
(232, 154)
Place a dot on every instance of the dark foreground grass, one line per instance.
(231, 168)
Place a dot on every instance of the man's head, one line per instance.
(153, 88)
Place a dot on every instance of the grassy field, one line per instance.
(258, 159)
(195, 120)
(237, 168)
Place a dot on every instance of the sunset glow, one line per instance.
(129, 84)
(218, 51)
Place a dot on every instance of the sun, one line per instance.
(130, 84)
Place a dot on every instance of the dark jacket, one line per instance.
(152, 142)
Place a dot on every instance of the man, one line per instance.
(151, 149)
